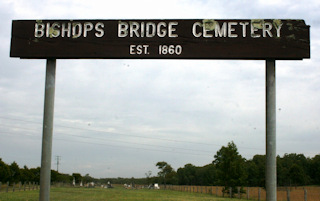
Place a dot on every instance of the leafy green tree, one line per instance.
(87, 178)
(206, 175)
(297, 175)
(256, 170)
(36, 174)
(281, 172)
(65, 178)
(166, 172)
(230, 166)
(15, 172)
(26, 174)
(54, 176)
(315, 169)
(292, 170)
(187, 175)
(4, 171)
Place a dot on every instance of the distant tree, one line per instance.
(77, 177)
(148, 174)
(282, 171)
(4, 171)
(36, 174)
(315, 166)
(26, 174)
(187, 175)
(256, 170)
(292, 170)
(206, 175)
(54, 176)
(297, 175)
(166, 172)
(15, 172)
(230, 167)
(87, 178)
(65, 178)
(172, 178)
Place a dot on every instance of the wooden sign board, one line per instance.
(161, 39)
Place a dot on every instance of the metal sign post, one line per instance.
(271, 158)
(257, 39)
(45, 171)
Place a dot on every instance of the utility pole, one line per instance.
(58, 158)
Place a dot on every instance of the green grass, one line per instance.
(100, 194)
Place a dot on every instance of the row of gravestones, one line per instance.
(19, 187)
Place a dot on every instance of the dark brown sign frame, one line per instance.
(161, 39)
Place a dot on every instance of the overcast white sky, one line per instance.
(118, 118)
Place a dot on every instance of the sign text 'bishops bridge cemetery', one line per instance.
(161, 39)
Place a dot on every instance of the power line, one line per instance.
(173, 149)
(112, 133)
(168, 147)
(140, 143)
(129, 135)
(136, 148)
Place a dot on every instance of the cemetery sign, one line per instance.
(161, 39)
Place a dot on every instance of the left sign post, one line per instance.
(48, 114)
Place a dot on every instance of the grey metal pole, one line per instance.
(45, 172)
(271, 163)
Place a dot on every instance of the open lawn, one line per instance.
(118, 193)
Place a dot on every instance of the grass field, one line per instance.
(119, 194)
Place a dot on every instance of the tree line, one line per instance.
(228, 169)
(12, 173)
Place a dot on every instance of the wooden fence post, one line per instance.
(288, 194)
(14, 183)
(7, 187)
(305, 194)
(230, 192)
(239, 193)
(217, 191)
(259, 194)
(248, 193)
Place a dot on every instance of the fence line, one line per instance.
(253, 193)
(26, 186)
